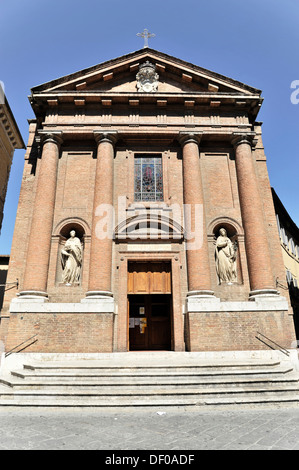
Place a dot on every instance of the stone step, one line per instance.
(150, 366)
(150, 391)
(157, 402)
(178, 383)
(145, 372)
(151, 381)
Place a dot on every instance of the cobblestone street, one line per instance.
(94, 429)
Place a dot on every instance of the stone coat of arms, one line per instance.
(147, 78)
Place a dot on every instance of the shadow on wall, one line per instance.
(4, 260)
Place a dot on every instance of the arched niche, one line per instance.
(62, 234)
(64, 227)
(235, 233)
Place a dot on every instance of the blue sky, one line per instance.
(253, 41)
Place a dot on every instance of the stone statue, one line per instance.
(225, 256)
(71, 259)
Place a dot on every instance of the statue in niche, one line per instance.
(226, 256)
(71, 259)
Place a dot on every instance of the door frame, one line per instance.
(121, 326)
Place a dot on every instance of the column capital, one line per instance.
(106, 136)
(48, 136)
(239, 138)
(187, 137)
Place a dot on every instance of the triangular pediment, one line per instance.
(128, 84)
(119, 76)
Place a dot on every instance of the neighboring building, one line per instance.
(10, 139)
(289, 240)
(117, 154)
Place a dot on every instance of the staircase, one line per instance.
(141, 380)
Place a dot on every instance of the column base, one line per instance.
(31, 296)
(100, 298)
(197, 298)
(207, 294)
(97, 294)
(264, 294)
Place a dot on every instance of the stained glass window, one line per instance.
(148, 178)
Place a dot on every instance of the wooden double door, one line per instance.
(149, 322)
(149, 305)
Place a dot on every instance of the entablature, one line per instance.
(151, 137)
(43, 100)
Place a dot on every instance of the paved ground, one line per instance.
(94, 429)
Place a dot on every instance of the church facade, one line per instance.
(145, 219)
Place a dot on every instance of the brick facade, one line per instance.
(90, 127)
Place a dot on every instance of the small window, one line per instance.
(285, 239)
(278, 223)
(289, 277)
(148, 178)
(292, 246)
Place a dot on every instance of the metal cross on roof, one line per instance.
(146, 35)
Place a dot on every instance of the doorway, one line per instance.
(149, 305)
(149, 322)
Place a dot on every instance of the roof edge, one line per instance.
(17, 131)
(279, 205)
(143, 51)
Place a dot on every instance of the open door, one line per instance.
(149, 322)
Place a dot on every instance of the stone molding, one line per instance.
(196, 304)
(99, 306)
(72, 221)
(106, 136)
(187, 137)
(239, 138)
(224, 220)
(55, 137)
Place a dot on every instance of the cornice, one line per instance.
(217, 102)
(56, 94)
(10, 127)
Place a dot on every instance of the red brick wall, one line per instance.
(237, 331)
(88, 333)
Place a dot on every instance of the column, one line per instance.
(256, 241)
(38, 254)
(198, 263)
(102, 224)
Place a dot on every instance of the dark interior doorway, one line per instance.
(149, 322)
